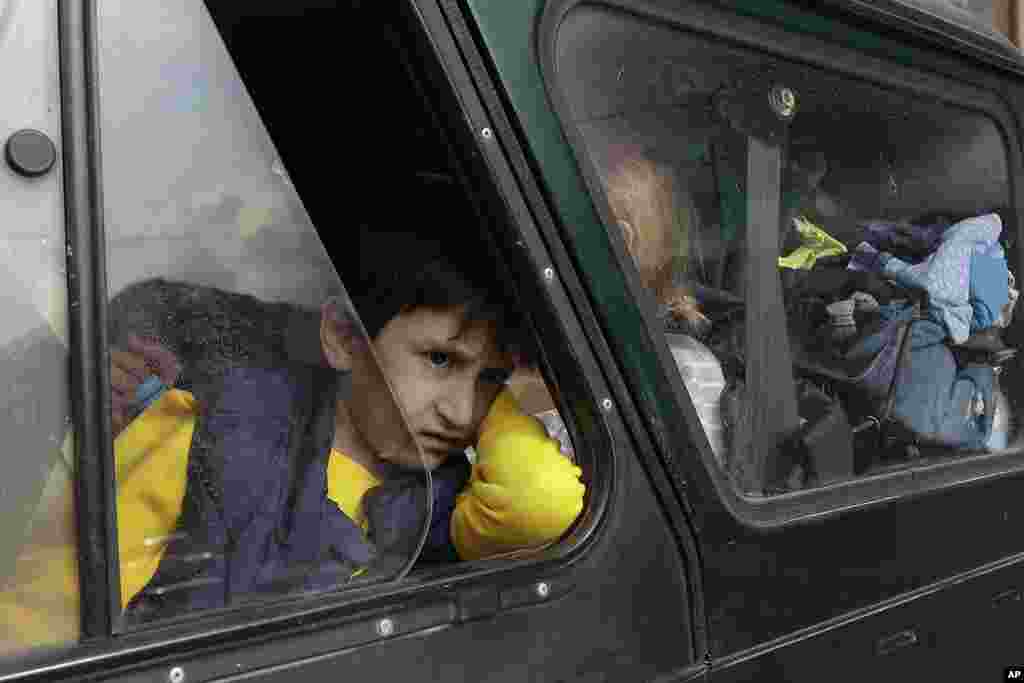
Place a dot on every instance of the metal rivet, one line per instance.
(607, 405)
(783, 101)
(176, 675)
(543, 589)
(487, 133)
(385, 627)
(549, 274)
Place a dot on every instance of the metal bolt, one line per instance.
(385, 627)
(487, 133)
(543, 589)
(783, 101)
(607, 405)
(176, 675)
(549, 274)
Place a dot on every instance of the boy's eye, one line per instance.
(439, 359)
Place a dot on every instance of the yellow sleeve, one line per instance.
(523, 493)
(39, 605)
(152, 460)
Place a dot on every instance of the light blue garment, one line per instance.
(946, 273)
(990, 289)
(149, 391)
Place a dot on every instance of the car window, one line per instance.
(35, 503)
(830, 258)
(223, 392)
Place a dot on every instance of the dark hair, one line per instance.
(393, 270)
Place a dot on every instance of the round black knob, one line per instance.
(30, 153)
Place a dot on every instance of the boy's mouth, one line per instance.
(440, 444)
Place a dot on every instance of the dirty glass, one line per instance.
(830, 259)
(225, 399)
(36, 502)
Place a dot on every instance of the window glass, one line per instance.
(246, 392)
(830, 259)
(36, 501)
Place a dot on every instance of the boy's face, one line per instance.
(445, 375)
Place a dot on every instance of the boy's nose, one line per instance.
(456, 407)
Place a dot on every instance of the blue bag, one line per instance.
(936, 401)
(903, 377)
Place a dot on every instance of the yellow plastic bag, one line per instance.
(816, 244)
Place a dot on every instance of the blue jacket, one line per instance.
(256, 517)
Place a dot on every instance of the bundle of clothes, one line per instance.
(912, 321)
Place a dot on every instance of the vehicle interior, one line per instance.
(703, 133)
(915, 160)
(384, 134)
(381, 132)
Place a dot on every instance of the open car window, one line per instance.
(288, 421)
(230, 489)
(830, 259)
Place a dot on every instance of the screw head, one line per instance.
(176, 675)
(385, 627)
(486, 133)
(607, 405)
(543, 589)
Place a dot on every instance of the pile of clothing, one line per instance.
(937, 296)
(962, 268)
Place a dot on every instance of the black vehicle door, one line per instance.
(783, 142)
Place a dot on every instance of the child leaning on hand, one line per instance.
(310, 470)
(301, 474)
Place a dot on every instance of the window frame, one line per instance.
(599, 437)
(949, 81)
(95, 495)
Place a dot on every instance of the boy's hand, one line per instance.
(129, 369)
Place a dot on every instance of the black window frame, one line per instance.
(953, 82)
(474, 588)
(95, 495)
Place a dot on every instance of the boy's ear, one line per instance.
(337, 336)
